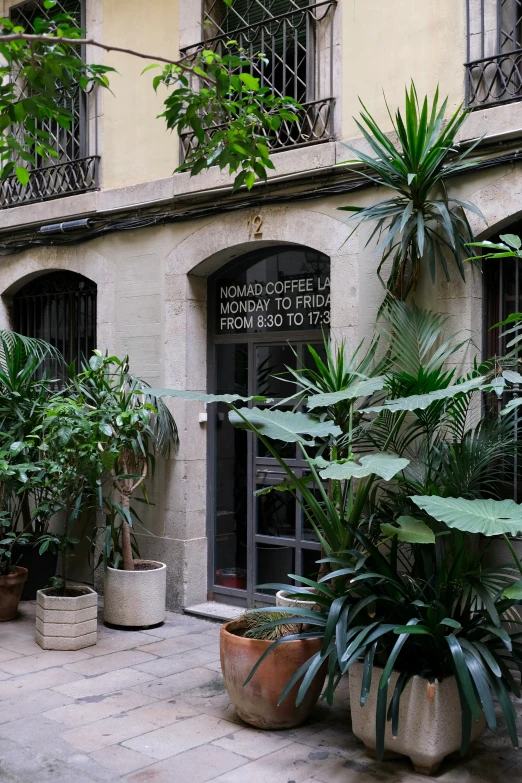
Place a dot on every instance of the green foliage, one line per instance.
(422, 223)
(488, 517)
(265, 625)
(132, 427)
(33, 79)
(230, 113)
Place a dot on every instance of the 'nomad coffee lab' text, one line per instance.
(292, 303)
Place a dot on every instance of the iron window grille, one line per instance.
(502, 297)
(75, 169)
(296, 39)
(494, 52)
(60, 308)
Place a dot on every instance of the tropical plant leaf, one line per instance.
(193, 396)
(384, 465)
(488, 517)
(422, 401)
(410, 530)
(358, 389)
(514, 591)
(286, 426)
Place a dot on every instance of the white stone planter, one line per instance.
(295, 603)
(136, 598)
(428, 730)
(66, 622)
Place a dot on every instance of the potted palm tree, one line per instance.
(133, 429)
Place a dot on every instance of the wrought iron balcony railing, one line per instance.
(298, 61)
(62, 179)
(494, 52)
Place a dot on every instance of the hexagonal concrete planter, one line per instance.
(429, 728)
(136, 599)
(66, 622)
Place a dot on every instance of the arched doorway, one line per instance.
(59, 307)
(264, 309)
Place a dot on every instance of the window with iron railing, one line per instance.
(296, 39)
(494, 52)
(74, 169)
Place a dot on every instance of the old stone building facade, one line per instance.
(156, 266)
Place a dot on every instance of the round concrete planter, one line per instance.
(295, 603)
(429, 729)
(66, 622)
(256, 702)
(11, 586)
(136, 599)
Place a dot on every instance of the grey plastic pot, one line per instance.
(136, 599)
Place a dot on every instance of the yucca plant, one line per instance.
(421, 223)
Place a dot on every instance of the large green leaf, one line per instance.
(514, 591)
(358, 389)
(410, 530)
(201, 397)
(422, 401)
(489, 517)
(384, 465)
(285, 426)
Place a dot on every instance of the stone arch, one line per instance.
(21, 268)
(228, 236)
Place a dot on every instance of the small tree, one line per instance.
(71, 465)
(132, 428)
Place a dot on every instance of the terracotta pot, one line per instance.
(256, 703)
(11, 587)
(429, 728)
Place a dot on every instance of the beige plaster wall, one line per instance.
(136, 147)
(386, 43)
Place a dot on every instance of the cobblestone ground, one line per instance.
(150, 707)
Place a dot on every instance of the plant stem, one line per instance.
(512, 550)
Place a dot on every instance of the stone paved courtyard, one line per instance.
(150, 707)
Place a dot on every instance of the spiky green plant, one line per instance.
(256, 625)
(421, 223)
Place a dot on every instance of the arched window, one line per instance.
(59, 307)
(502, 297)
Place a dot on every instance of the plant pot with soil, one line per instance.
(133, 429)
(66, 619)
(136, 598)
(258, 702)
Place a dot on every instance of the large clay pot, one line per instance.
(429, 728)
(11, 587)
(136, 599)
(41, 567)
(256, 702)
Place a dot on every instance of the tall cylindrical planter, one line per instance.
(11, 586)
(136, 599)
(66, 622)
(282, 599)
(257, 702)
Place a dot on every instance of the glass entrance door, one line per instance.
(265, 308)
(258, 538)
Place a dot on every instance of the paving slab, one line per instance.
(151, 707)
